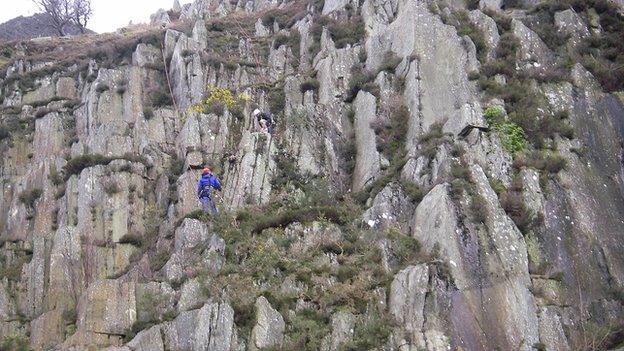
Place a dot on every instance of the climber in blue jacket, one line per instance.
(207, 182)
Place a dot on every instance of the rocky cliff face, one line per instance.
(444, 175)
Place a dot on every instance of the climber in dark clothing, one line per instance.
(264, 119)
(206, 183)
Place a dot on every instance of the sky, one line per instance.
(108, 15)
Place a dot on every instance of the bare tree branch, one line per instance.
(66, 12)
(82, 14)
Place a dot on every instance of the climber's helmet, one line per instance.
(206, 170)
(256, 113)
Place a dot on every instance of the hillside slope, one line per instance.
(38, 25)
(442, 176)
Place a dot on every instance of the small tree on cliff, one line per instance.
(65, 12)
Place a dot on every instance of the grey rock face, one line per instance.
(490, 4)
(367, 163)
(436, 223)
(248, 178)
(191, 296)
(161, 17)
(190, 234)
(269, 328)
(535, 54)
(568, 22)
(112, 236)
(551, 331)
(488, 26)
(215, 328)
(389, 208)
(342, 324)
(334, 71)
(107, 307)
(436, 90)
(209, 328)
(406, 304)
(333, 5)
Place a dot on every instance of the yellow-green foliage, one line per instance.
(219, 98)
(512, 135)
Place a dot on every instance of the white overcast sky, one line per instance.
(108, 14)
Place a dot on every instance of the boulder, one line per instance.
(342, 324)
(147, 340)
(269, 328)
(488, 27)
(190, 234)
(191, 296)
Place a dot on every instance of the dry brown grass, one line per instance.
(75, 48)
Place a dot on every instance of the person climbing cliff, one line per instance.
(265, 121)
(207, 182)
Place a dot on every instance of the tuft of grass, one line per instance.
(343, 33)
(309, 84)
(160, 98)
(101, 87)
(390, 62)
(430, 141)
(78, 163)
(148, 112)
(547, 161)
(132, 239)
(29, 197)
(158, 260)
(391, 132)
(361, 79)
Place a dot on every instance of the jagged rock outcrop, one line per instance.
(269, 329)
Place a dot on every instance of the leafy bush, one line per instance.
(4, 133)
(512, 136)
(603, 53)
(391, 134)
(110, 187)
(218, 99)
(370, 333)
(478, 209)
(506, 54)
(12, 270)
(285, 17)
(42, 112)
(494, 114)
(412, 190)
(15, 343)
(280, 39)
